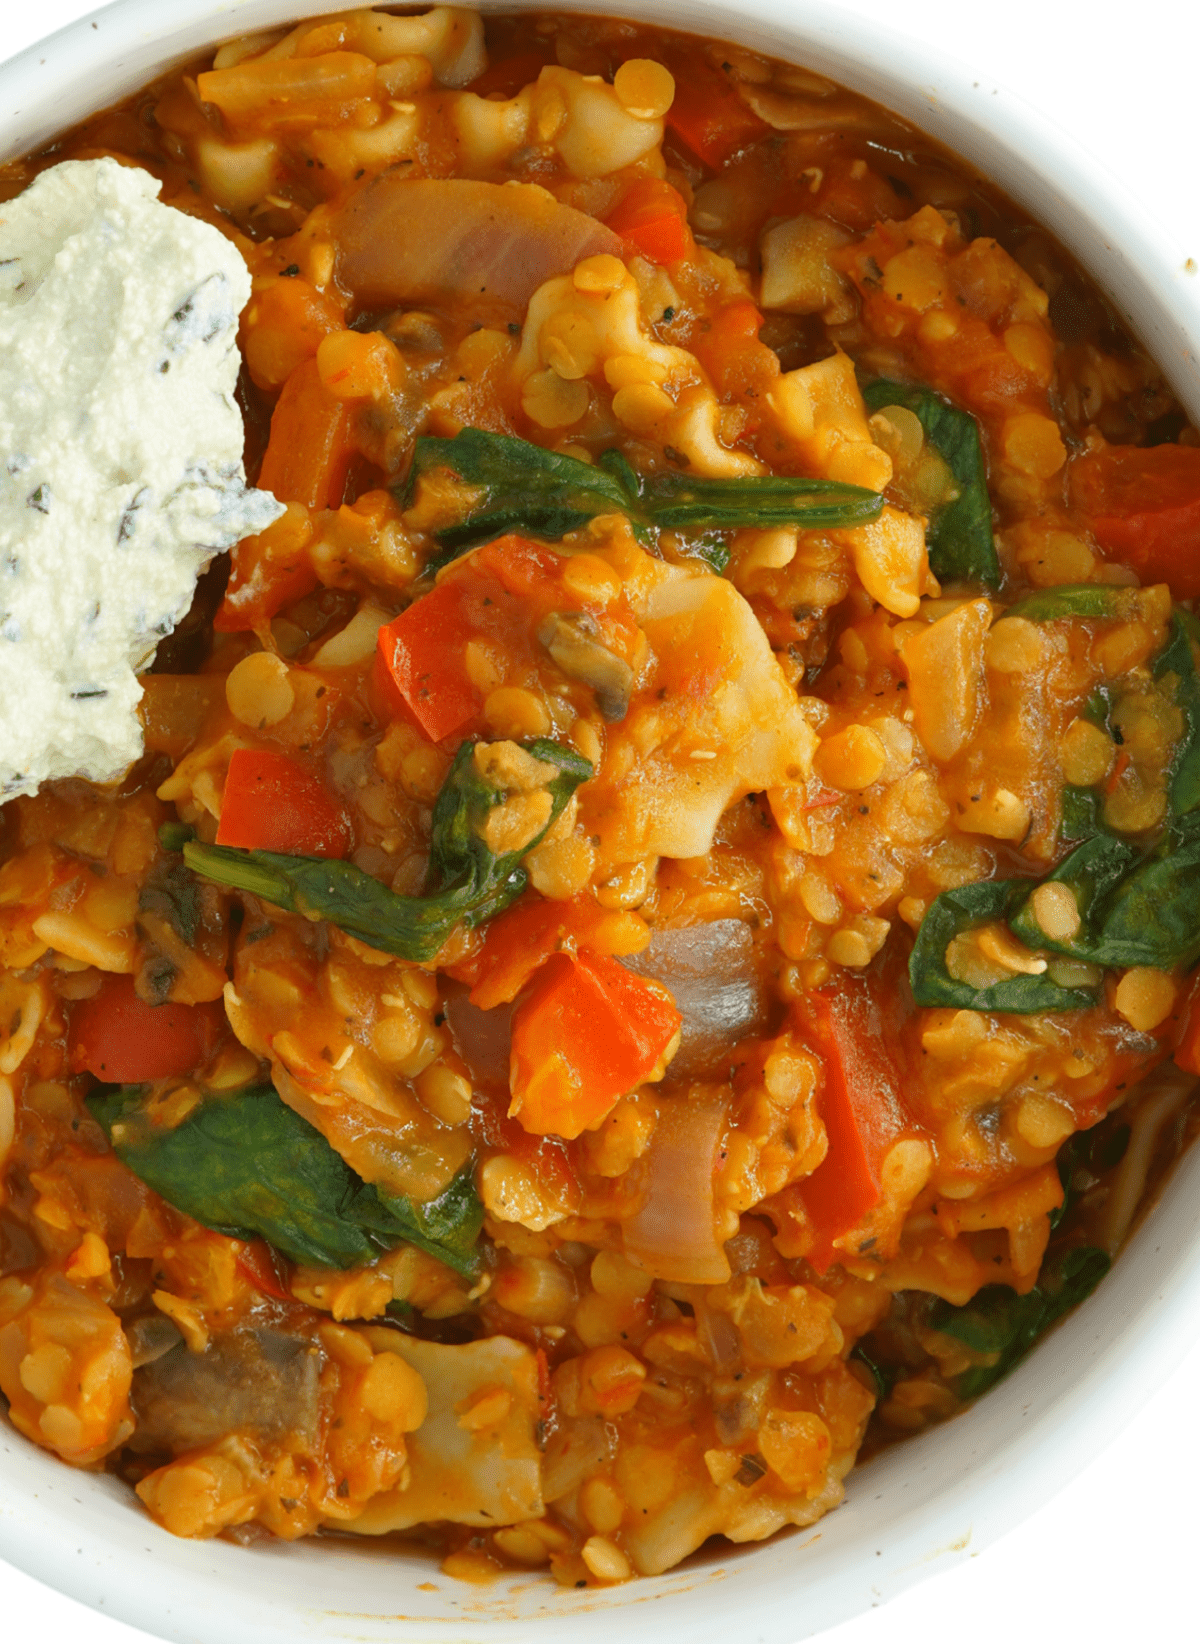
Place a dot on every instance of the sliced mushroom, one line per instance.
(571, 641)
(418, 240)
(262, 1380)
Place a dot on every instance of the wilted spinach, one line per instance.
(1004, 1326)
(246, 1165)
(963, 909)
(961, 546)
(510, 484)
(468, 882)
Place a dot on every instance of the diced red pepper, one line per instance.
(587, 1032)
(423, 653)
(709, 116)
(267, 572)
(264, 1268)
(522, 939)
(124, 1041)
(309, 451)
(652, 217)
(271, 803)
(861, 1109)
(1142, 503)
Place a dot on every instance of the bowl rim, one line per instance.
(959, 1486)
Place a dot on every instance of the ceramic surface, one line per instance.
(926, 1502)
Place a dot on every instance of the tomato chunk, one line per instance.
(652, 216)
(125, 1041)
(709, 116)
(587, 1032)
(1143, 504)
(273, 804)
(862, 1111)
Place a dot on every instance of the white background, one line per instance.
(1113, 1555)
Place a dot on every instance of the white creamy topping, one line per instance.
(120, 455)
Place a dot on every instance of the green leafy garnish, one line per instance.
(1178, 658)
(1002, 1326)
(513, 485)
(1080, 813)
(1078, 599)
(247, 1166)
(1138, 904)
(1092, 873)
(961, 546)
(468, 881)
(1154, 915)
(1136, 907)
(958, 911)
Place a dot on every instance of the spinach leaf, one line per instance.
(952, 914)
(1004, 1326)
(468, 882)
(247, 1166)
(1178, 657)
(1135, 908)
(513, 485)
(884, 1375)
(1154, 914)
(961, 546)
(1090, 1154)
(519, 485)
(1092, 873)
(1078, 599)
(1080, 813)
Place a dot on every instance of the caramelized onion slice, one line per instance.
(483, 1038)
(716, 985)
(415, 241)
(673, 1235)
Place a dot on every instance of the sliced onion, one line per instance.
(407, 241)
(481, 1037)
(673, 1234)
(711, 974)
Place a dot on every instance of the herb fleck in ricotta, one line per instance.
(120, 455)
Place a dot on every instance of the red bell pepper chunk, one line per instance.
(587, 1032)
(422, 652)
(264, 1268)
(505, 588)
(652, 217)
(861, 1109)
(124, 1041)
(1143, 504)
(273, 804)
(709, 116)
(309, 451)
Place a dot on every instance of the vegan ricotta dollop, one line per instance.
(120, 455)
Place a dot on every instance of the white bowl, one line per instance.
(916, 1508)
